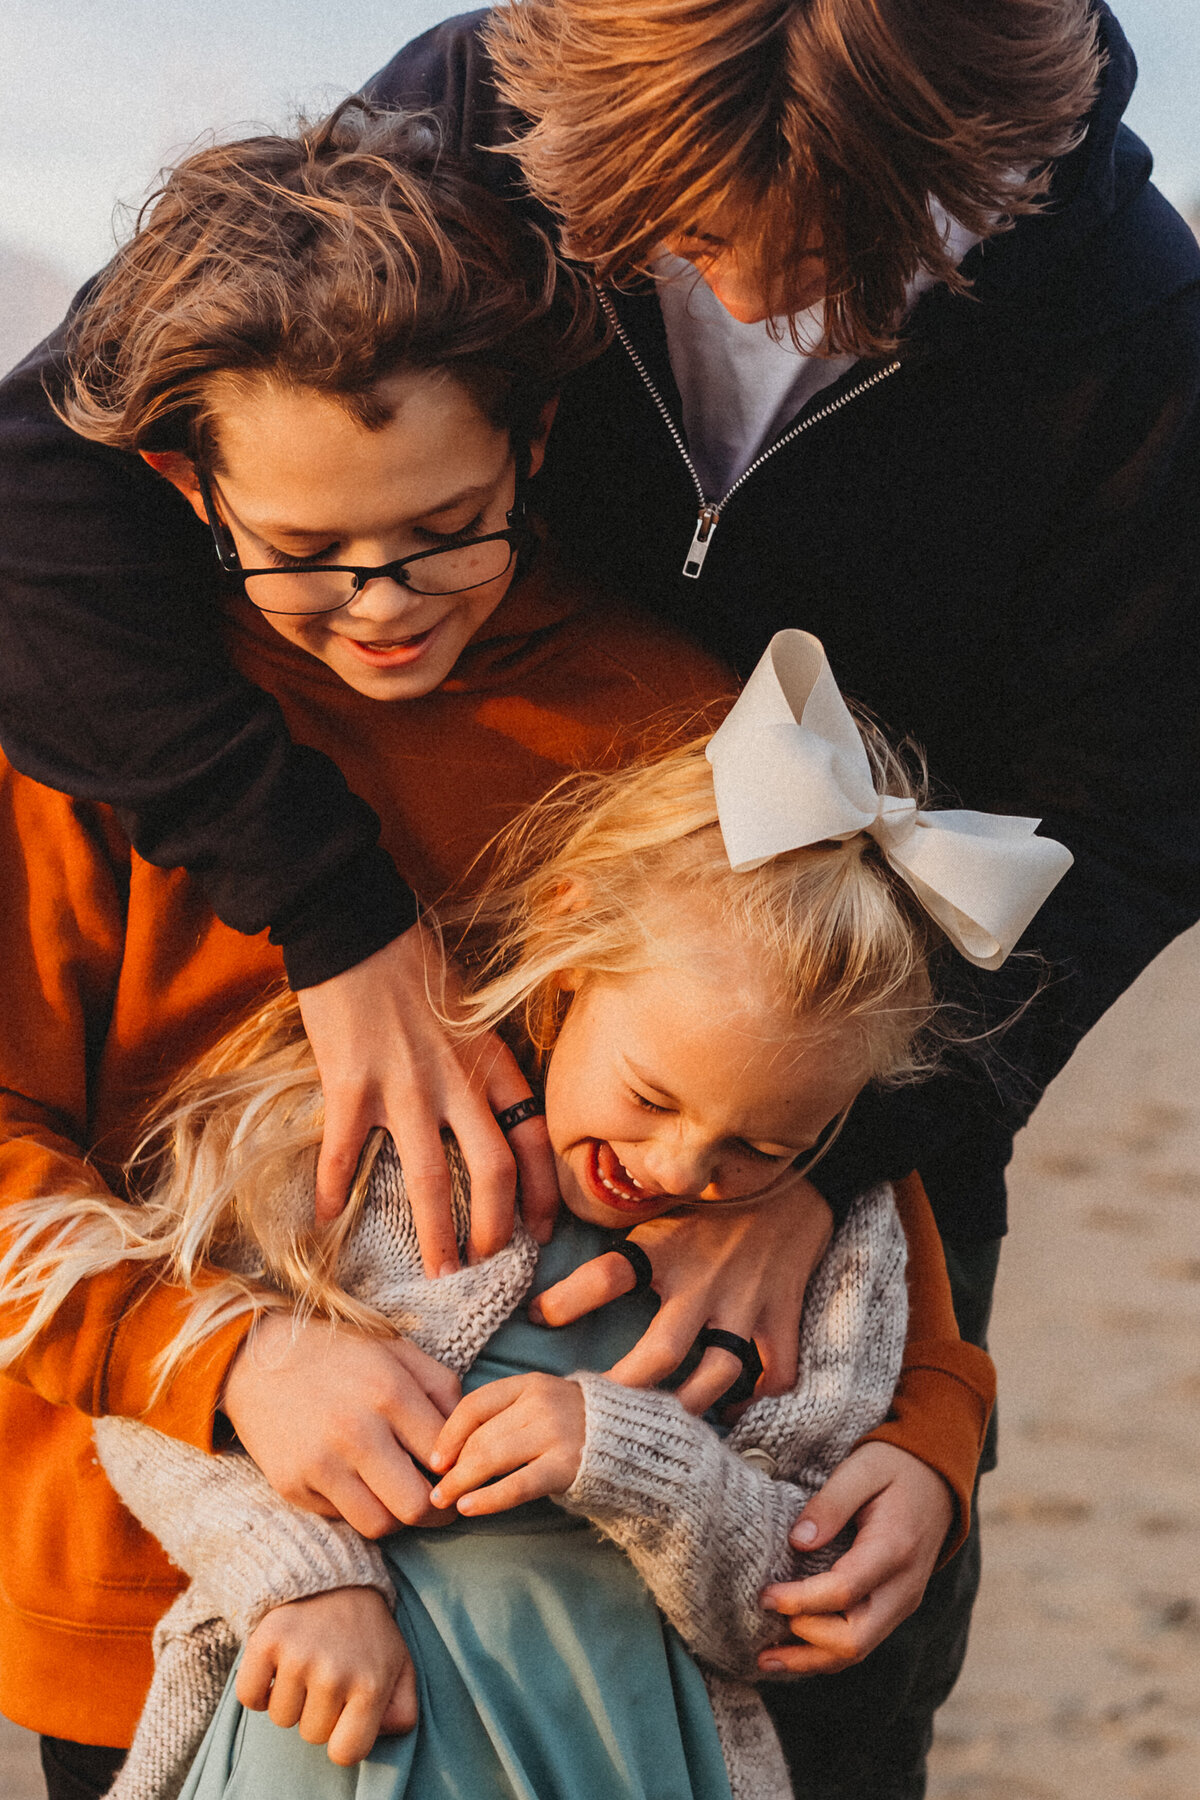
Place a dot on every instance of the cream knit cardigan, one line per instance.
(704, 1521)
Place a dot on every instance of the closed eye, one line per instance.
(446, 539)
(646, 1105)
(279, 559)
(768, 1156)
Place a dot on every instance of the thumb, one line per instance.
(833, 1506)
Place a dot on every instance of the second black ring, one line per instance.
(746, 1351)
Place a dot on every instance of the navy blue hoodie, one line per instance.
(998, 543)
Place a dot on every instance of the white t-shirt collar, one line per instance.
(739, 385)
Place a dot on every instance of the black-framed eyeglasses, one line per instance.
(309, 589)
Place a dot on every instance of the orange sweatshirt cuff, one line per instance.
(100, 1351)
(940, 1415)
(186, 1405)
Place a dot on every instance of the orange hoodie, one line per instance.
(118, 975)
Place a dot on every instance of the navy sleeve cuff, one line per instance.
(353, 914)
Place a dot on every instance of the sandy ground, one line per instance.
(1083, 1678)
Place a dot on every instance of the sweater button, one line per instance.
(760, 1459)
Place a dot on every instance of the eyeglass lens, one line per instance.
(451, 571)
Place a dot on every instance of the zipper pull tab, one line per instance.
(706, 524)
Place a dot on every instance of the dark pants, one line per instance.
(78, 1771)
(865, 1734)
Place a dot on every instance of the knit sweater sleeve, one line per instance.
(218, 1518)
(706, 1522)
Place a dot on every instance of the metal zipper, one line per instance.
(709, 514)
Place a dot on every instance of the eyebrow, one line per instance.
(649, 1081)
(268, 532)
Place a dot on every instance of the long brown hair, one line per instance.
(809, 123)
(326, 260)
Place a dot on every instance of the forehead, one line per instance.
(708, 1034)
(291, 454)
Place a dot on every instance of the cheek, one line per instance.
(306, 634)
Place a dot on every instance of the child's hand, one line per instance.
(337, 1666)
(385, 1058)
(527, 1428)
(903, 1511)
(744, 1269)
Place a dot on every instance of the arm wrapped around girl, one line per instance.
(705, 1011)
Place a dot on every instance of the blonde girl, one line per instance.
(702, 1029)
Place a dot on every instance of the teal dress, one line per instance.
(544, 1669)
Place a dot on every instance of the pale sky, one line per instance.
(95, 95)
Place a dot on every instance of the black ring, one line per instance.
(512, 1116)
(746, 1351)
(639, 1262)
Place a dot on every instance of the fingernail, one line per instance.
(543, 1233)
(534, 1313)
(771, 1663)
(435, 1497)
(803, 1533)
(768, 1600)
(448, 1268)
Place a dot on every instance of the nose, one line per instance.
(381, 599)
(681, 1166)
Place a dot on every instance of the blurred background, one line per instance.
(96, 95)
(1084, 1672)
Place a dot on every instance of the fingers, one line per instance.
(441, 1384)
(346, 1495)
(256, 1672)
(852, 1579)
(537, 1177)
(473, 1411)
(834, 1639)
(429, 1189)
(852, 1484)
(512, 1441)
(348, 1121)
(528, 1143)
(358, 1723)
(832, 1646)
(400, 1713)
(387, 1058)
(590, 1286)
(493, 1171)
(660, 1349)
(416, 1417)
(778, 1343)
(713, 1376)
(664, 1346)
(532, 1481)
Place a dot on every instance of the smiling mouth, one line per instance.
(613, 1185)
(397, 649)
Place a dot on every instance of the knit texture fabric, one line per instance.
(704, 1521)
(194, 1650)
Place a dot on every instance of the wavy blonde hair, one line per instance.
(600, 875)
(592, 879)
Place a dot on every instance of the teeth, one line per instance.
(622, 1193)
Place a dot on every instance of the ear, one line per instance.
(180, 471)
(537, 446)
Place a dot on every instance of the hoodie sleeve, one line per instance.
(115, 686)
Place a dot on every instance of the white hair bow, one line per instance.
(790, 768)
